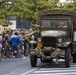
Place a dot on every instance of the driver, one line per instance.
(62, 25)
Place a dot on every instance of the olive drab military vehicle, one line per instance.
(55, 37)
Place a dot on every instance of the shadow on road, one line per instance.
(52, 64)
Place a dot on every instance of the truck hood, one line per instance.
(54, 33)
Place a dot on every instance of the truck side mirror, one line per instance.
(74, 36)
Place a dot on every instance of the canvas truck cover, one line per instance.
(55, 12)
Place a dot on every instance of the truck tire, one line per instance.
(67, 57)
(33, 60)
(74, 58)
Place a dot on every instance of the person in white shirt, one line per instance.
(0, 45)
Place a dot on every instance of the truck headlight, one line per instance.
(39, 39)
(60, 40)
(74, 39)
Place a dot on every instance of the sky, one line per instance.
(62, 0)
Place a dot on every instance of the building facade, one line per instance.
(19, 23)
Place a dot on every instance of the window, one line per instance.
(45, 23)
(54, 23)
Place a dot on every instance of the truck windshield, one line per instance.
(54, 23)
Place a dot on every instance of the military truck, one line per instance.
(55, 37)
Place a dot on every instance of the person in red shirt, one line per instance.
(3, 45)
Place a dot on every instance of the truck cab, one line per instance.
(56, 37)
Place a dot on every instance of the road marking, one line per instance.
(29, 71)
(57, 68)
(13, 72)
(72, 73)
(54, 71)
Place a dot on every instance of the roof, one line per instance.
(9, 23)
(12, 18)
(55, 12)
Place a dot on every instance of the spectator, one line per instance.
(15, 40)
(26, 43)
(20, 45)
(0, 45)
(3, 45)
(8, 46)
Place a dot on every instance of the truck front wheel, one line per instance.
(33, 60)
(74, 58)
(67, 57)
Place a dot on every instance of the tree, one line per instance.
(25, 8)
(5, 7)
(70, 5)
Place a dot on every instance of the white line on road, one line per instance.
(13, 72)
(29, 71)
(72, 73)
(54, 71)
(57, 68)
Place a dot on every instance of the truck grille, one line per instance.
(49, 40)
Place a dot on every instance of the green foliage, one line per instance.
(24, 8)
(71, 6)
(29, 8)
(3, 21)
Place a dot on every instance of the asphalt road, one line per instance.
(19, 66)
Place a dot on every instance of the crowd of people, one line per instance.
(13, 44)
